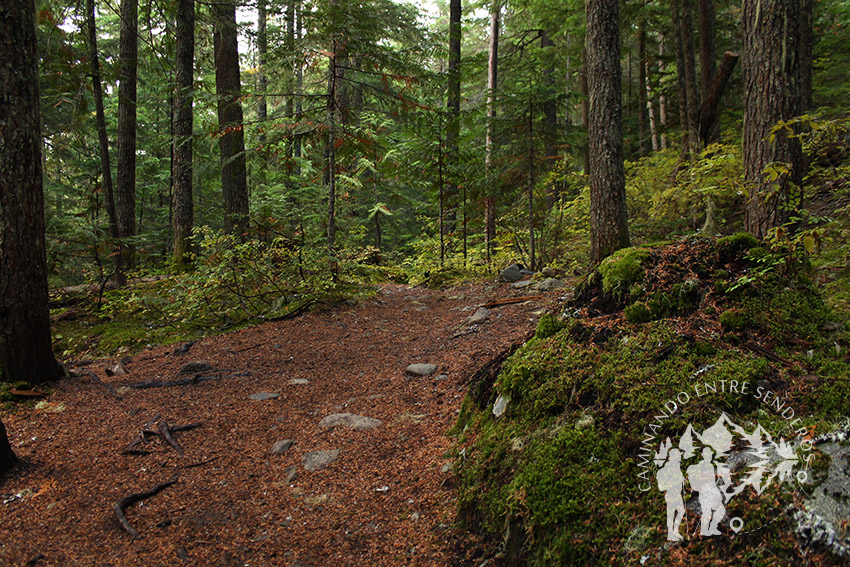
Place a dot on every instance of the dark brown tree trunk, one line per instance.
(681, 82)
(183, 211)
(7, 456)
(330, 151)
(662, 98)
(645, 145)
(771, 87)
(26, 352)
(125, 197)
(262, 80)
(492, 84)
(609, 229)
(299, 78)
(709, 112)
(691, 91)
(806, 54)
(234, 177)
(707, 66)
(453, 107)
(102, 138)
(550, 117)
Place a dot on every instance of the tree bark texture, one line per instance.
(645, 141)
(608, 216)
(806, 55)
(691, 90)
(125, 197)
(707, 67)
(183, 215)
(26, 352)
(453, 107)
(771, 93)
(262, 59)
(492, 85)
(234, 177)
(681, 82)
(102, 138)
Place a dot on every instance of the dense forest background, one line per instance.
(270, 151)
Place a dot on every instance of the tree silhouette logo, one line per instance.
(704, 463)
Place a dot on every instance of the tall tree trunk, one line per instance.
(234, 177)
(299, 79)
(532, 252)
(262, 60)
(492, 84)
(691, 90)
(585, 114)
(25, 348)
(102, 138)
(662, 98)
(7, 456)
(707, 65)
(806, 54)
(650, 108)
(330, 151)
(550, 117)
(453, 107)
(681, 82)
(125, 198)
(771, 93)
(645, 145)
(182, 205)
(609, 230)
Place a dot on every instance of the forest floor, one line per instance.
(387, 499)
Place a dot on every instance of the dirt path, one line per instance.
(385, 500)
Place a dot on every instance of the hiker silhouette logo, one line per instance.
(717, 465)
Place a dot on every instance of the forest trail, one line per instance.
(387, 499)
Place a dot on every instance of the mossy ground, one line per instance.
(555, 480)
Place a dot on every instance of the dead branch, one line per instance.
(510, 300)
(196, 379)
(758, 349)
(122, 504)
(166, 434)
(201, 463)
(109, 387)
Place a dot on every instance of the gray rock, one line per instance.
(479, 316)
(500, 406)
(549, 284)
(522, 284)
(290, 474)
(421, 369)
(350, 421)
(263, 396)
(318, 460)
(299, 381)
(195, 367)
(281, 447)
(512, 273)
(526, 272)
(441, 377)
(447, 467)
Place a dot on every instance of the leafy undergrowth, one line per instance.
(233, 285)
(561, 477)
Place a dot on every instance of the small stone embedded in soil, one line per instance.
(511, 274)
(290, 474)
(263, 396)
(447, 467)
(421, 369)
(549, 284)
(282, 446)
(318, 460)
(500, 406)
(441, 377)
(522, 284)
(299, 381)
(351, 421)
(194, 367)
(479, 316)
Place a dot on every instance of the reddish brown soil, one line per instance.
(384, 501)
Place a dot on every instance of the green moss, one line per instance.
(622, 269)
(734, 320)
(548, 325)
(738, 242)
(637, 313)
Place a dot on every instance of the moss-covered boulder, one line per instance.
(567, 476)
